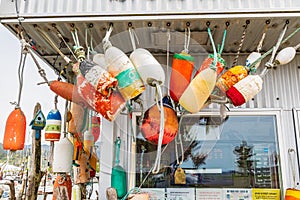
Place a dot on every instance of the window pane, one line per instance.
(240, 152)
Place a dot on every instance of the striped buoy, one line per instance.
(53, 126)
(245, 90)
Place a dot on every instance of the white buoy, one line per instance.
(63, 156)
(147, 66)
(285, 56)
(252, 58)
(99, 59)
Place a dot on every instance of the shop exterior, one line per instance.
(254, 151)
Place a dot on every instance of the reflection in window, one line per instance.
(240, 152)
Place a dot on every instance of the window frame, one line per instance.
(280, 137)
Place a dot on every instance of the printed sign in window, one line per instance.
(155, 193)
(209, 194)
(270, 194)
(180, 193)
(237, 194)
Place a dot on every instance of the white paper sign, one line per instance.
(155, 193)
(180, 193)
(209, 194)
(237, 194)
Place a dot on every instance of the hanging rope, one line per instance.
(89, 45)
(168, 59)
(156, 166)
(66, 118)
(78, 49)
(297, 46)
(241, 43)
(223, 39)
(21, 67)
(260, 44)
(270, 63)
(105, 41)
(275, 48)
(40, 69)
(181, 149)
(133, 37)
(214, 63)
(187, 38)
(51, 43)
(65, 42)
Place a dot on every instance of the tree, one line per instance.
(244, 155)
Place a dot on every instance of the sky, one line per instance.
(10, 51)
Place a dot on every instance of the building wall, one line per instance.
(280, 86)
(117, 7)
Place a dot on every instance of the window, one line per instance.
(239, 152)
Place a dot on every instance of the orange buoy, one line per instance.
(231, 77)
(77, 122)
(81, 168)
(15, 131)
(182, 69)
(221, 63)
(68, 91)
(62, 188)
(151, 123)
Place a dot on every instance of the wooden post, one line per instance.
(35, 174)
(11, 185)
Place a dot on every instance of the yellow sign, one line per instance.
(265, 194)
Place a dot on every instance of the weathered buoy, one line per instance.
(81, 168)
(108, 106)
(252, 58)
(62, 187)
(98, 77)
(78, 119)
